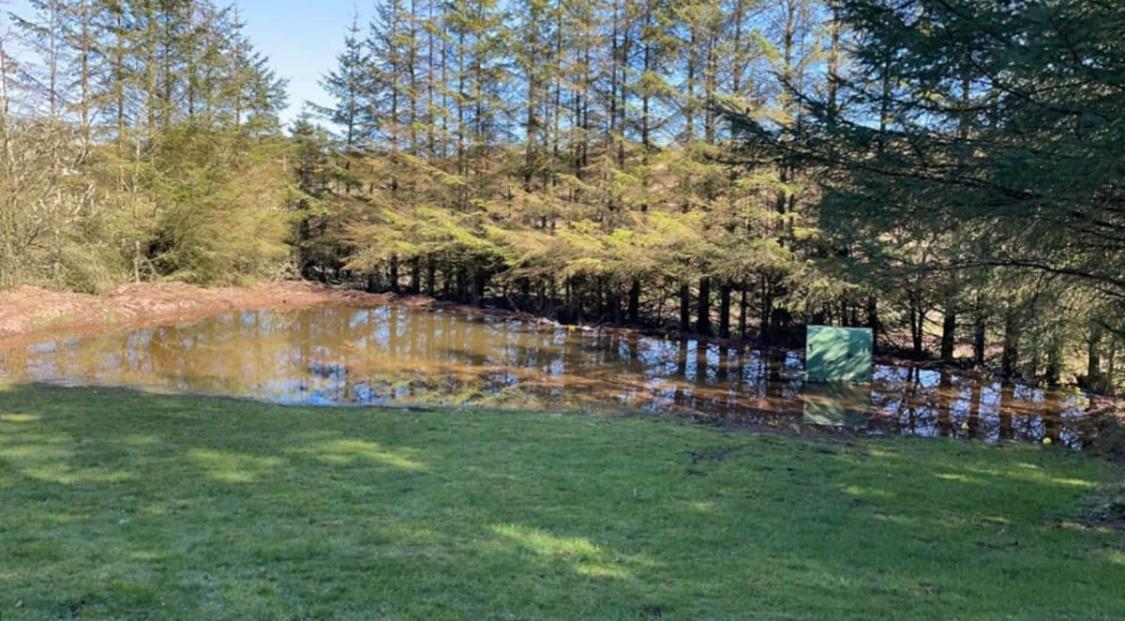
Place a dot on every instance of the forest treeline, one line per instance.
(140, 140)
(949, 174)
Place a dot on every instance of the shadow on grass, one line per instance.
(121, 504)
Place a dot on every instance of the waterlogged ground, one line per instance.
(393, 354)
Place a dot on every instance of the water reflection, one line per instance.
(392, 354)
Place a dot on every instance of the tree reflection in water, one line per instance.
(338, 355)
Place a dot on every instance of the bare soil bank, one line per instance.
(29, 312)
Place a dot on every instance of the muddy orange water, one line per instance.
(395, 354)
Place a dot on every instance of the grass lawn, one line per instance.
(116, 504)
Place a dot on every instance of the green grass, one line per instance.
(116, 504)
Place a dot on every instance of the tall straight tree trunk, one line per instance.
(917, 323)
(1094, 357)
(624, 52)
(415, 275)
(556, 107)
(611, 116)
(833, 76)
(85, 53)
(431, 122)
(462, 159)
(724, 310)
(873, 319)
(480, 286)
(634, 311)
(393, 119)
(703, 324)
(689, 103)
(738, 53)
(412, 77)
(1010, 355)
(393, 273)
(531, 123)
(5, 131)
(765, 333)
(1054, 358)
(431, 277)
(711, 74)
(52, 59)
(443, 145)
(1111, 365)
(119, 74)
(948, 333)
(685, 308)
(646, 89)
(743, 308)
(980, 333)
(150, 71)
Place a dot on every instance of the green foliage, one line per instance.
(965, 173)
(221, 217)
(151, 151)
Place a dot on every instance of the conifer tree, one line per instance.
(349, 85)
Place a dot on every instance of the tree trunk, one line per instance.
(685, 308)
(1054, 359)
(743, 307)
(948, 333)
(393, 273)
(873, 319)
(1094, 357)
(980, 330)
(764, 332)
(1010, 356)
(724, 311)
(480, 284)
(613, 300)
(703, 324)
(431, 278)
(568, 301)
(415, 275)
(1110, 371)
(635, 302)
(917, 323)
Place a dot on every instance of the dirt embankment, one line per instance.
(29, 312)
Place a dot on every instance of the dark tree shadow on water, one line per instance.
(121, 504)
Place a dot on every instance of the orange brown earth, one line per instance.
(27, 312)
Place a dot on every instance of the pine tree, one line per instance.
(41, 33)
(349, 86)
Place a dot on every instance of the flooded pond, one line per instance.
(337, 355)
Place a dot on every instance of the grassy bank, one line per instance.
(117, 504)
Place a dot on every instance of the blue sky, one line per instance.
(301, 38)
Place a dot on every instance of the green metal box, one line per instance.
(838, 354)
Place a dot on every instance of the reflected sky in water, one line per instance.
(338, 355)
